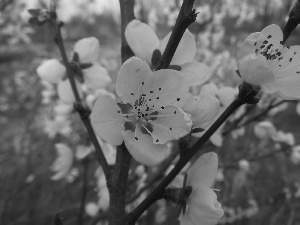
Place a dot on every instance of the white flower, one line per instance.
(51, 70)
(266, 62)
(244, 165)
(285, 137)
(26, 16)
(91, 209)
(149, 114)
(63, 163)
(202, 205)
(265, 130)
(143, 41)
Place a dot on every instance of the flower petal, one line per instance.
(170, 124)
(165, 87)
(132, 73)
(142, 39)
(196, 73)
(203, 110)
(88, 49)
(204, 171)
(203, 207)
(248, 45)
(254, 70)
(96, 76)
(106, 120)
(65, 93)
(143, 150)
(185, 51)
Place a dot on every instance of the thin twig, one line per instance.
(253, 158)
(84, 115)
(187, 15)
(85, 165)
(254, 118)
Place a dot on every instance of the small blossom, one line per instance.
(265, 130)
(264, 61)
(91, 209)
(244, 165)
(63, 163)
(149, 114)
(51, 70)
(202, 205)
(145, 44)
(284, 137)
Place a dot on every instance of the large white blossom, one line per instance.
(143, 41)
(202, 205)
(149, 114)
(264, 61)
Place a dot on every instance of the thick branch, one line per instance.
(185, 18)
(118, 181)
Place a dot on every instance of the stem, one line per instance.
(118, 182)
(254, 158)
(84, 115)
(156, 177)
(185, 18)
(85, 164)
(159, 190)
(254, 118)
(118, 186)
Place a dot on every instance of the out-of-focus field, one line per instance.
(29, 197)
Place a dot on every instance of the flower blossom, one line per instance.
(264, 61)
(202, 205)
(149, 114)
(93, 76)
(63, 163)
(145, 44)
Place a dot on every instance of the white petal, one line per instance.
(88, 49)
(273, 35)
(172, 123)
(132, 73)
(142, 39)
(143, 150)
(185, 51)
(196, 73)
(204, 170)
(65, 93)
(203, 110)
(64, 161)
(216, 139)
(248, 46)
(254, 70)
(51, 70)
(106, 120)
(169, 87)
(203, 207)
(96, 76)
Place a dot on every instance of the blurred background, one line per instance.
(259, 174)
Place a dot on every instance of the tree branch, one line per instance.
(84, 115)
(159, 190)
(186, 17)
